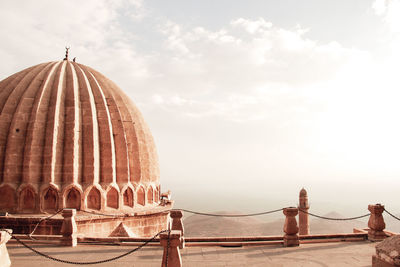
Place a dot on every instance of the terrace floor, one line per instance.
(317, 254)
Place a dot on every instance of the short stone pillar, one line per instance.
(291, 237)
(376, 224)
(5, 235)
(176, 216)
(171, 249)
(68, 228)
(304, 226)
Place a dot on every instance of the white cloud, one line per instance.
(38, 31)
(389, 10)
(379, 6)
(218, 72)
(252, 26)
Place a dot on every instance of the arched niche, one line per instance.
(94, 199)
(128, 197)
(73, 199)
(150, 195)
(141, 196)
(156, 195)
(7, 198)
(50, 199)
(112, 198)
(27, 200)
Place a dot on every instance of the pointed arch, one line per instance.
(7, 198)
(112, 198)
(73, 199)
(141, 198)
(94, 199)
(156, 195)
(27, 199)
(128, 197)
(50, 199)
(150, 195)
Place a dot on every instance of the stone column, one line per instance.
(304, 226)
(176, 216)
(174, 255)
(376, 224)
(68, 228)
(4, 257)
(291, 238)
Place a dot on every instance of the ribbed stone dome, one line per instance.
(70, 138)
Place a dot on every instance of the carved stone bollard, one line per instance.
(376, 224)
(174, 255)
(304, 226)
(4, 257)
(291, 237)
(68, 228)
(176, 216)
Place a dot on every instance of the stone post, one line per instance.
(376, 224)
(68, 228)
(174, 255)
(291, 237)
(176, 216)
(304, 226)
(4, 257)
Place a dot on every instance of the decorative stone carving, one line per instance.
(166, 198)
(376, 223)
(174, 255)
(122, 231)
(291, 237)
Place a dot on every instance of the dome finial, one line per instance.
(66, 52)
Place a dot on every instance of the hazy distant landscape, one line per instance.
(199, 225)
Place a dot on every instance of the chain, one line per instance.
(103, 214)
(84, 263)
(41, 220)
(168, 244)
(397, 218)
(334, 219)
(229, 215)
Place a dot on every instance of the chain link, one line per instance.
(334, 219)
(103, 214)
(229, 215)
(88, 262)
(41, 220)
(397, 218)
(168, 244)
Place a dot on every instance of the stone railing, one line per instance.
(173, 240)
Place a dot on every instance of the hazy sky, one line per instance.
(248, 101)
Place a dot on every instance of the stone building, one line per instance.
(70, 138)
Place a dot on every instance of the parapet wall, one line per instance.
(146, 224)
